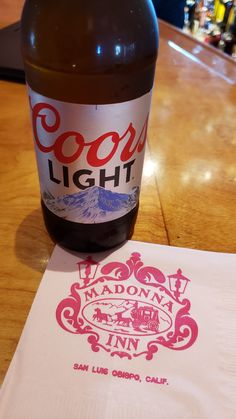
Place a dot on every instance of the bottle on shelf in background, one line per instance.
(90, 71)
(231, 16)
(229, 38)
(228, 7)
(189, 15)
(192, 8)
(202, 14)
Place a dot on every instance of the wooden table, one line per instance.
(189, 185)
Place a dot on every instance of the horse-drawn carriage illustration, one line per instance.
(137, 317)
(145, 316)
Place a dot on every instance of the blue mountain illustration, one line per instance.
(92, 205)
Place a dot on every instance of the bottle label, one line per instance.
(89, 157)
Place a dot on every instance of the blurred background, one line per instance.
(210, 21)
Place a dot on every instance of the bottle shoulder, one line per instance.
(84, 37)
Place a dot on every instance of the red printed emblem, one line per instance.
(128, 309)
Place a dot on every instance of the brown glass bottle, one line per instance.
(89, 52)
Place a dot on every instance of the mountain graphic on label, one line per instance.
(93, 205)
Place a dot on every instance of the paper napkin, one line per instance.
(141, 331)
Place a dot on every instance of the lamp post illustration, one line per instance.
(178, 283)
(87, 270)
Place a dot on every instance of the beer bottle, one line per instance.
(89, 68)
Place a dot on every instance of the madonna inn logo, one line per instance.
(128, 309)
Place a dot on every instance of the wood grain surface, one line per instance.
(188, 194)
(10, 11)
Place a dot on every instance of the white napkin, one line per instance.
(142, 331)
